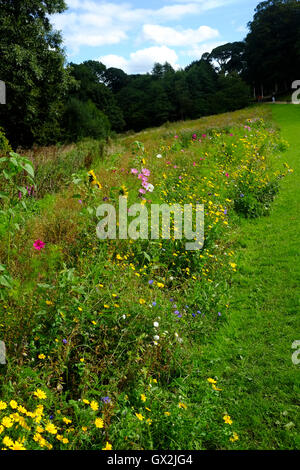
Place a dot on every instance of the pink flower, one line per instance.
(194, 163)
(176, 136)
(38, 245)
(146, 172)
(142, 191)
(227, 175)
(134, 171)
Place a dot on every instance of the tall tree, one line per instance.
(273, 46)
(32, 66)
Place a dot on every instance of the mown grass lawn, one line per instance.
(251, 353)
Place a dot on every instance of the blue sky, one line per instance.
(133, 35)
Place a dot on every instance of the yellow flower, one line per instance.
(216, 388)
(13, 404)
(48, 302)
(233, 265)
(51, 428)
(99, 423)
(17, 446)
(22, 409)
(65, 440)
(67, 421)
(94, 405)
(182, 405)
(143, 397)
(107, 447)
(40, 394)
(7, 422)
(211, 381)
(142, 301)
(227, 419)
(7, 441)
(84, 428)
(41, 356)
(160, 284)
(139, 416)
(234, 438)
(86, 401)
(3, 405)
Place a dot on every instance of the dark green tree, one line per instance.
(273, 46)
(32, 66)
(91, 77)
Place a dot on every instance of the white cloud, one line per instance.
(116, 61)
(197, 51)
(98, 23)
(142, 61)
(171, 37)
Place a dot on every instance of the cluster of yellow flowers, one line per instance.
(37, 429)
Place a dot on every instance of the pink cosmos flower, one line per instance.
(146, 172)
(142, 191)
(38, 245)
(134, 171)
(227, 175)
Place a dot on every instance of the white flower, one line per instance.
(156, 324)
(124, 316)
(150, 187)
(159, 156)
(156, 338)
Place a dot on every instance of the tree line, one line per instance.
(50, 101)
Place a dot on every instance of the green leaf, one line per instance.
(29, 168)
(6, 281)
(3, 195)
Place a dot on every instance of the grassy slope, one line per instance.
(251, 354)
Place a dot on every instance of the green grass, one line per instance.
(251, 353)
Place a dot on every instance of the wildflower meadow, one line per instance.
(107, 341)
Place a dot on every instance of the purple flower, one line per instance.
(219, 314)
(64, 341)
(106, 399)
(150, 282)
(154, 304)
(242, 195)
